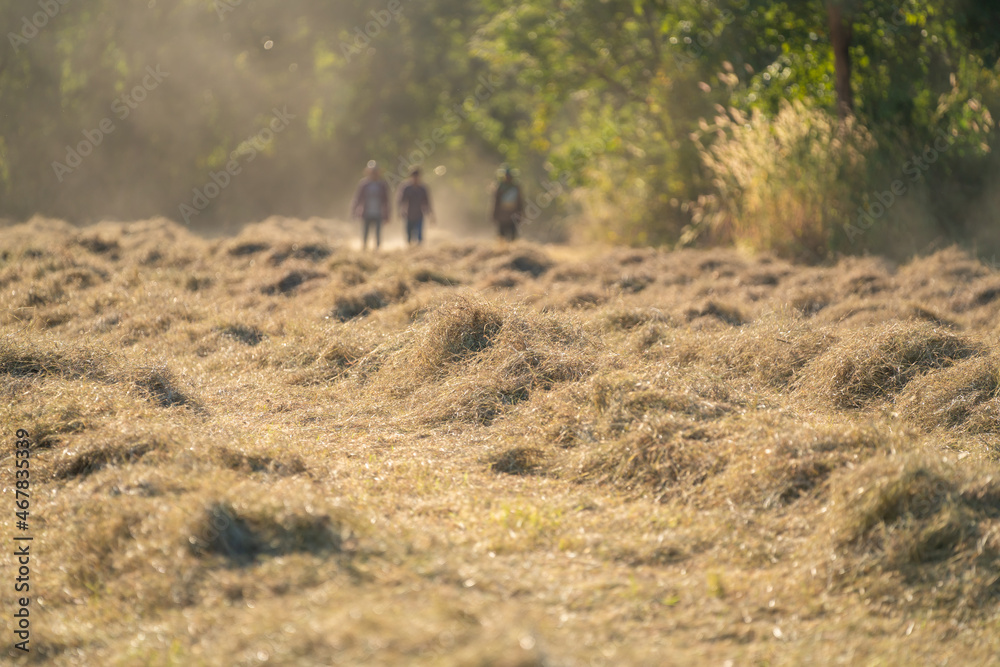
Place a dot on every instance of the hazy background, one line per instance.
(683, 122)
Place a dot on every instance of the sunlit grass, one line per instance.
(521, 456)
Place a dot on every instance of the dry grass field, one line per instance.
(271, 449)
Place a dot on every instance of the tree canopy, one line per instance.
(656, 114)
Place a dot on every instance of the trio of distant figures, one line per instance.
(372, 198)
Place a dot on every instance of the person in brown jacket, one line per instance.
(414, 204)
(371, 204)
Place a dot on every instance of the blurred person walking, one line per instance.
(414, 204)
(371, 204)
(508, 206)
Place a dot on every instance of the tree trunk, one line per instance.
(840, 38)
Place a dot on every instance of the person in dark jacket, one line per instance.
(371, 204)
(508, 206)
(414, 204)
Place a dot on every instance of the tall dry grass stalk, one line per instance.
(786, 183)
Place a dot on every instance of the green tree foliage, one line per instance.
(632, 104)
(611, 104)
(362, 80)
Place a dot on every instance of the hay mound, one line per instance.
(456, 331)
(934, 525)
(664, 459)
(774, 461)
(233, 459)
(290, 282)
(728, 313)
(243, 537)
(469, 358)
(880, 361)
(517, 460)
(246, 334)
(159, 385)
(365, 299)
(525, 260)
(630, 318)
(312, 252)
(681, 446)
(22, 359)
(659, 437)
(963, 397)
(243, 249)
(92, 459)
(774, 350)
(19, 358)
(98, 245)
